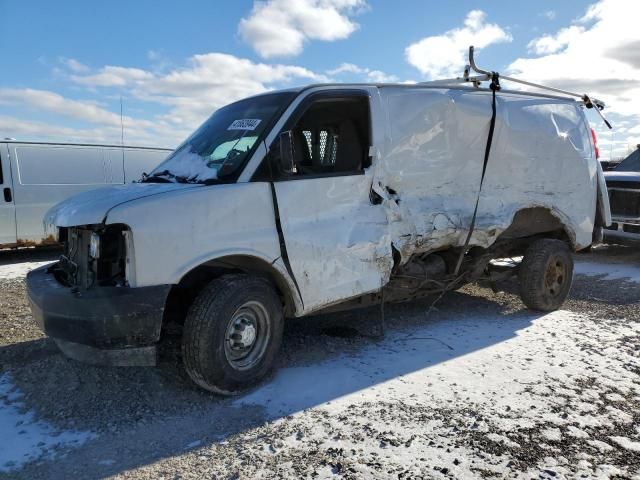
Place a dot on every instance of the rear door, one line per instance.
(7, 207)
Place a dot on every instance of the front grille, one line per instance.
(72, 269)
(624, 203)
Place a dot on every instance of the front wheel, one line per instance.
(546, 274)
(232, 333)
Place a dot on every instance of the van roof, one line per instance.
(440, 84)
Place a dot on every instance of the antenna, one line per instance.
(121, 133)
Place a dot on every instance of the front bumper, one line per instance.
(101, 325)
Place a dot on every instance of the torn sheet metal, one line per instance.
(429, 176)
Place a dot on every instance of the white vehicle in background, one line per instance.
(34, 176)
(323, 197)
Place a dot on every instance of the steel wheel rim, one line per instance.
(555, 276)
(247, 335)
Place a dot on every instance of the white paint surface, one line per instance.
(23, 438)
(429, 146)
(541, 156)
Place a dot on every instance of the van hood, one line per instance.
(92, 207)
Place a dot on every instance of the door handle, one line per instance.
(7, 195)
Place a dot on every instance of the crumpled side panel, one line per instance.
(430, 174)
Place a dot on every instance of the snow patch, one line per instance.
(552, 434)
(611, 271)
(14, 271)
(626, 443)
(25, 439)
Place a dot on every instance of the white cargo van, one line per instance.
(323, 197)
(34, 176)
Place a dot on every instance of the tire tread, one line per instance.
(533, 268)
(196, 349)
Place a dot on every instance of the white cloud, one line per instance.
(444, 55)
(52, 102)
(74, 65)
(19, 128)
(346, 68)
(207, 82)
(187, 95)
(106, 125)
(378, 76)
(599, 54)
(279, 28)
(363, 73)
(111, 76)
(552, 43)
(550, 14)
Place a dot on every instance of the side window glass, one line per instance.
(331, 137)
(1, 176)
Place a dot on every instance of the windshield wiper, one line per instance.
(165, 177)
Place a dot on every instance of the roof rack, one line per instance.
(485, 75)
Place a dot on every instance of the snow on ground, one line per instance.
(464, 393)
(14, 271)
(482, 356)
(515, 384)
(611, 271)
(25, 439)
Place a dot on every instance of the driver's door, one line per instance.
(336, 239)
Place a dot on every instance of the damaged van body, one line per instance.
(324, 197)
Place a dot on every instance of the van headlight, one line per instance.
(94, 246)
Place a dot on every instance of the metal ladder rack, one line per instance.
(485, 75)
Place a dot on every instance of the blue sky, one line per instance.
(66, 64)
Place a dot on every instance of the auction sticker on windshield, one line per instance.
(244, 124)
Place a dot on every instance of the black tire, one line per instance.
(546, 274)
(213, 344)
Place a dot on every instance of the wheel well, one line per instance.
(184, 293)
(536, 222)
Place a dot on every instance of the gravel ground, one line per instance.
(479, 388)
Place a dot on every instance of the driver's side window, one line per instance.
(331, 137)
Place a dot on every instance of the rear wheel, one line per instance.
(232, 333)
(546, 273)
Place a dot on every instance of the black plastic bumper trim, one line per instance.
(100, 317)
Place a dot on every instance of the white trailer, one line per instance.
(34, 176)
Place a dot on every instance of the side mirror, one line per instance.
(287, 164)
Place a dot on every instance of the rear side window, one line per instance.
(1, 176)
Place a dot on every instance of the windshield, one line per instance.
(222, 144)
